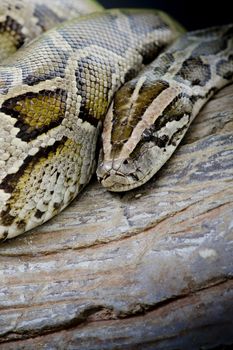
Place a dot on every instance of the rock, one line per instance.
(147, 269)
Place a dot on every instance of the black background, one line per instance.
(192, 14)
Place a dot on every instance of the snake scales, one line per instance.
(56, 90)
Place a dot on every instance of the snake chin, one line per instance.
(119, 176)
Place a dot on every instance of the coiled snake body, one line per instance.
(56, 90)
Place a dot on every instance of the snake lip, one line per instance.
(111, 177)
(114, 182)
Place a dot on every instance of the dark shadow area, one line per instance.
(192, 14)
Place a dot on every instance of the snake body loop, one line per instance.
(23, 20)
(54, 94)
(56, 90)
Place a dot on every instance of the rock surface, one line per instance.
(147, 269)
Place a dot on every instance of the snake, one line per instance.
(75, 76)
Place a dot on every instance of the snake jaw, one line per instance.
(117, 175)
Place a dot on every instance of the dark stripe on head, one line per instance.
(126, 115)
(181, 106)
(174, 140)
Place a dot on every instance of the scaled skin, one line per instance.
(54, 95)
(150, 114)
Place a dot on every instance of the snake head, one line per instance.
(143, 127)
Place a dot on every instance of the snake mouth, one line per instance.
(115, 177)
(118, 182)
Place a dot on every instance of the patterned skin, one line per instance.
(56, 90)
(54, 94)
(23, 20)
(151, 113)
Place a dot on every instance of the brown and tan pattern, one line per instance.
(56, 90)
(54, 94)
(23, 20)
(149, 268)
(150, 115)
(143, 269)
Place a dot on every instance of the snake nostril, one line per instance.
(134, 176)
(104, 170)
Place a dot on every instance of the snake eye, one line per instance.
(146, 136)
